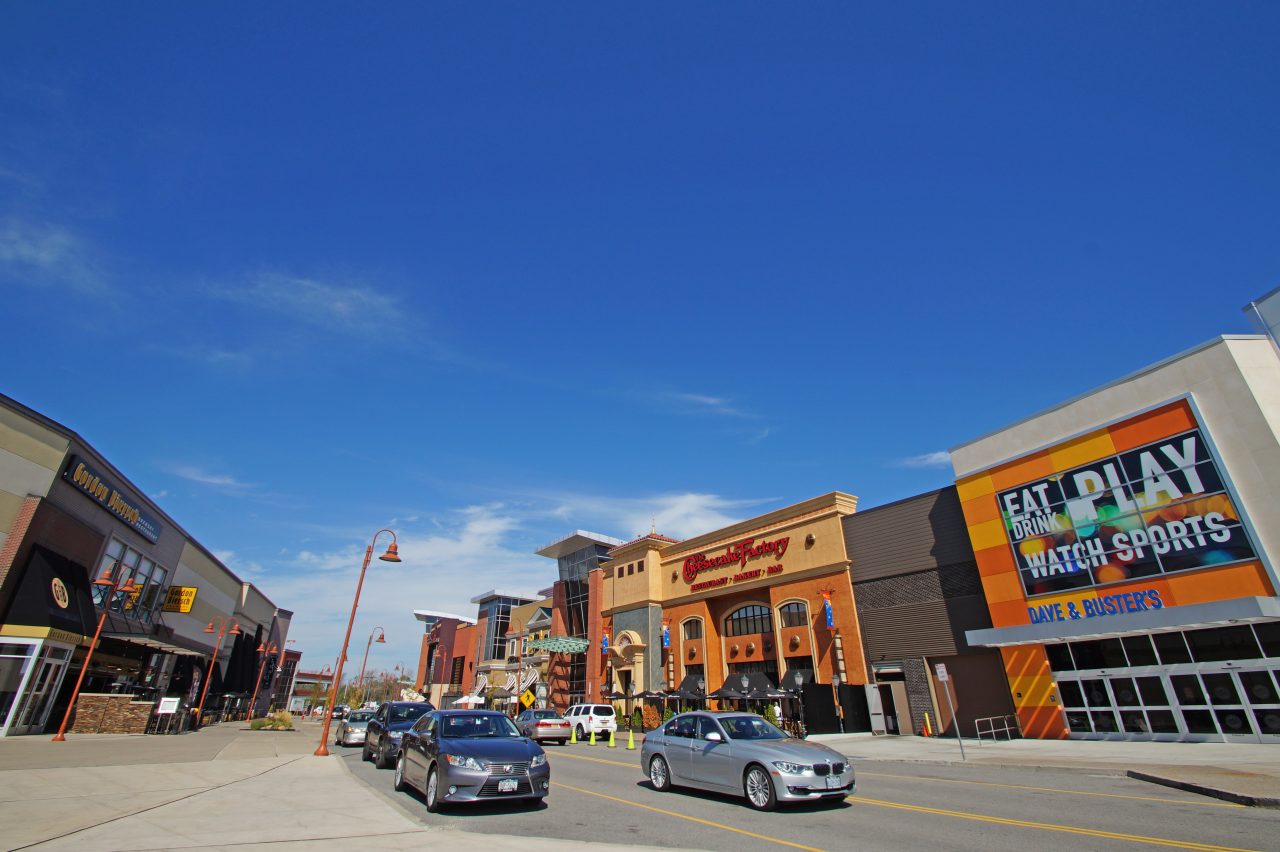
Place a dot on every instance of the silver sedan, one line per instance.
(741, 753)
(352, 728)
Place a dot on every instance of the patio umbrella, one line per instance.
(615, 696)
(725, 692)
(649, 694)
(469, 701)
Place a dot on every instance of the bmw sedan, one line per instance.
(456, 756)
(742, 754)
(389, 723)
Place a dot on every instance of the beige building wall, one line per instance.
(30, 461)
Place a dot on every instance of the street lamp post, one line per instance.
(114, 586)
(382, 640)
(799, 679)
(745, 681)
(702, 688)
(392, 555)
(266, 650)
(226, 622)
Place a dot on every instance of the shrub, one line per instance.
(258, 724)
(770, 715)
(652, 717)
(281, 720)
(668, 714)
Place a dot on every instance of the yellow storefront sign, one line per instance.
(180, 599)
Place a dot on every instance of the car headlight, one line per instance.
(465, 762)
(793, 768)
(396, 735)
(538, 760)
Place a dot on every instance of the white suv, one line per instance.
(586, 718)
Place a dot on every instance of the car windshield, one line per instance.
(360, 716)
(545, 714)
(477, 726)
(407, 712)
(750, 728)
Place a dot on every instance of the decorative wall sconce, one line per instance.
(795, 642)
(733, 651)
(751, 647)
(810, 539)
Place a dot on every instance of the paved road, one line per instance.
(601, 795)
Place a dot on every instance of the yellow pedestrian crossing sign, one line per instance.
(528, 698)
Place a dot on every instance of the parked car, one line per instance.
(384, 730)
(543, 725)
(585, 718)
(353, 727)
(741, 753)
(339, 711)
(456, 756)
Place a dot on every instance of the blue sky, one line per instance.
(489, 275)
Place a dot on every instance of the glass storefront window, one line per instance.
(1268, 721)
(1098, 654)
(1070, 692)
(1259, 687)
(1162, 722)
(1269, 636)
(1096, 693)
(1152, 691)
(1199, 722)
(1126, 693)
(13, 665)
(1059, 658)
(1187, 689)
(1104, 723)
(1134, 722)
(1139, 651)
(1221, 689)
(1223, 643)
(748, 621)
(1078, 721)
(1172, 648)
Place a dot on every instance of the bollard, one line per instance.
(631, 740)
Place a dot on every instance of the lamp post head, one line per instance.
(235, 630)
(382, 639)
(744, 680)
(208, 628)
(798, 678)
(702, 685)
(392, 554)
(105, 579)
(835, 680)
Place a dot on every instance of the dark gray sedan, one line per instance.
(741, 753)
(456, 756)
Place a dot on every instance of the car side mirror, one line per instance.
(714, 737)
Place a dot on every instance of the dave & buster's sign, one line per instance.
(1154, 510)
(735, 554)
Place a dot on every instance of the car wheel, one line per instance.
(659, 774)
(398, 780)
(364, 752)
(758, 788)
(382, 762)
(582, 735)
(433, 791)
(563, 742)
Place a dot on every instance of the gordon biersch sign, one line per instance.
(1156, 509)
(735, 554)
(106, 495)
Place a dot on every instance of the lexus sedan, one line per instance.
(351, 730)
(388, 725)
(456, 756)
(543, 725)
(742, 754)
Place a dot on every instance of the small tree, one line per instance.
(770, 715)
(668, 714)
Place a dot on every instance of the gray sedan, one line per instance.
(741, 753)
(353, 727)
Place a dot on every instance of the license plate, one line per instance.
(508, 785)
(834, 781)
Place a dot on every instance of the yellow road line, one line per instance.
(1048, 826)
(863, 774)
(635, 766)
(687, 817)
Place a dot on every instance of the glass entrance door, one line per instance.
(1234, 706)
(43, 685)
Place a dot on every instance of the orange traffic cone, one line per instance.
(928, 729)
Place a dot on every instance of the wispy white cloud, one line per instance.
(679, 515)
(47, 255)
(346, 308)
(700, 403)
(759, 436)
(938, 459)
(217, 481)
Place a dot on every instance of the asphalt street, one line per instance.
(601, 794)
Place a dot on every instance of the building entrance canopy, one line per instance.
(560, 645)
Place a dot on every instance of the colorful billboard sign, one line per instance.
(1157, 509)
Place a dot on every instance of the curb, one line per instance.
(1204, 790)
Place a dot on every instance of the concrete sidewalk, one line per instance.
(1248, 774)
(244, 790)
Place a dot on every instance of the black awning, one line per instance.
(35, 603)
(756, 681)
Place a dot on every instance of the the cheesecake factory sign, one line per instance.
(106, 495)
(737, 556)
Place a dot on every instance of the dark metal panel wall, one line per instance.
(916, 534)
